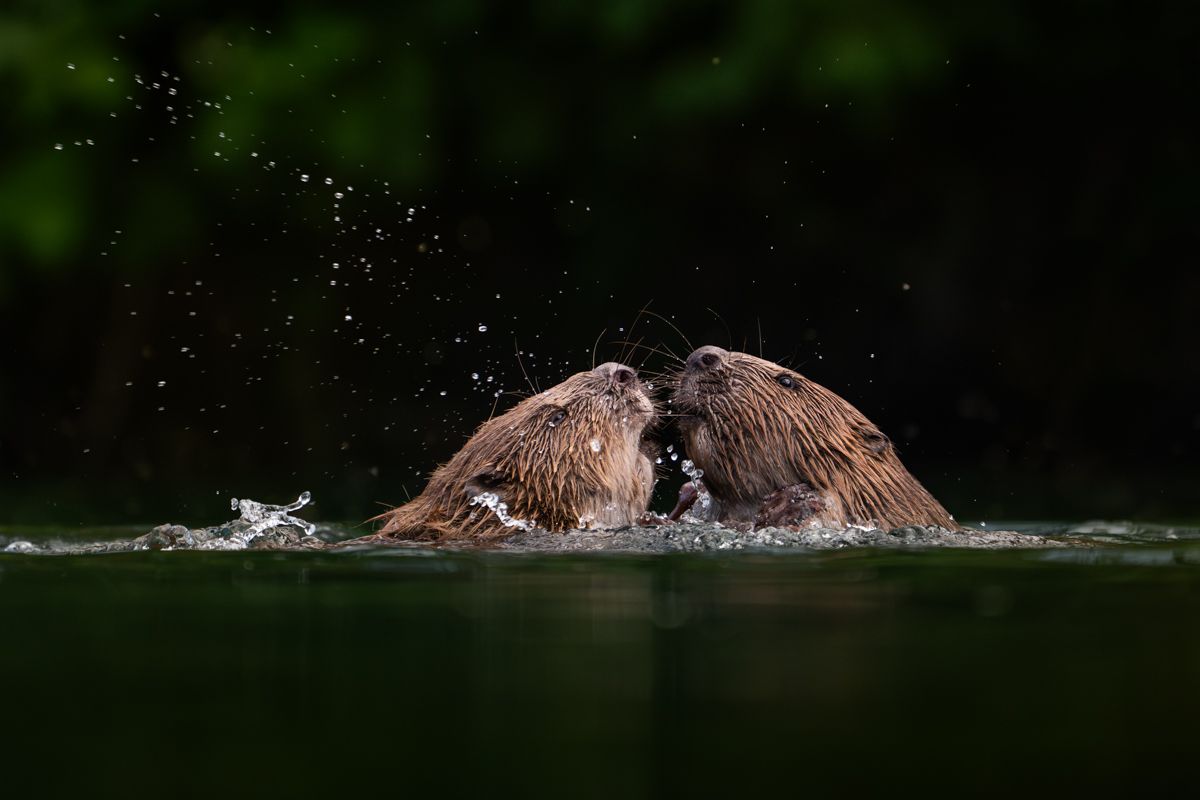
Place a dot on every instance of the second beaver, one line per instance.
(778, 449)
(572, 456)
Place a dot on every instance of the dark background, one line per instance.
(974, 221)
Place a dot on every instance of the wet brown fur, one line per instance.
(545, 469)
(753, 436)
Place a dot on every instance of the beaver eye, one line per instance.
(558, 417)
(786, 381)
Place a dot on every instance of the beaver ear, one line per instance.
(875, 441)
(487, 481)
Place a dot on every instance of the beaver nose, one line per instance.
(705, 358)
(617, 374)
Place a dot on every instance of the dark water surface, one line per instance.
(193, 674)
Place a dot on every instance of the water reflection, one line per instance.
(602, 675)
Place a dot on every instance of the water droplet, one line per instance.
(482, 328)
(304, 179)
(58, 146)
(70, 65)
(595, 445)
(329, 181)
(338, 195)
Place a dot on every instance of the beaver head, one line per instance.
(569, 457)
(755, 427)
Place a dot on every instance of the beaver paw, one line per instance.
(688, 494)
(791, 506)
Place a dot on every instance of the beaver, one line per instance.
(573, 456)
(778, 449)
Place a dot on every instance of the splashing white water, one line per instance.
(262, 516)
(703, 498)
(500, 509)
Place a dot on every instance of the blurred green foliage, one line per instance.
(311, 79)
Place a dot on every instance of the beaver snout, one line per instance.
(705, 358)
(616, 374)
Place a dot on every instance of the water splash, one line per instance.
(260, 525)
(262, 516)
(500, 509)
(703, 499)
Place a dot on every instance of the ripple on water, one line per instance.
(266, 527)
